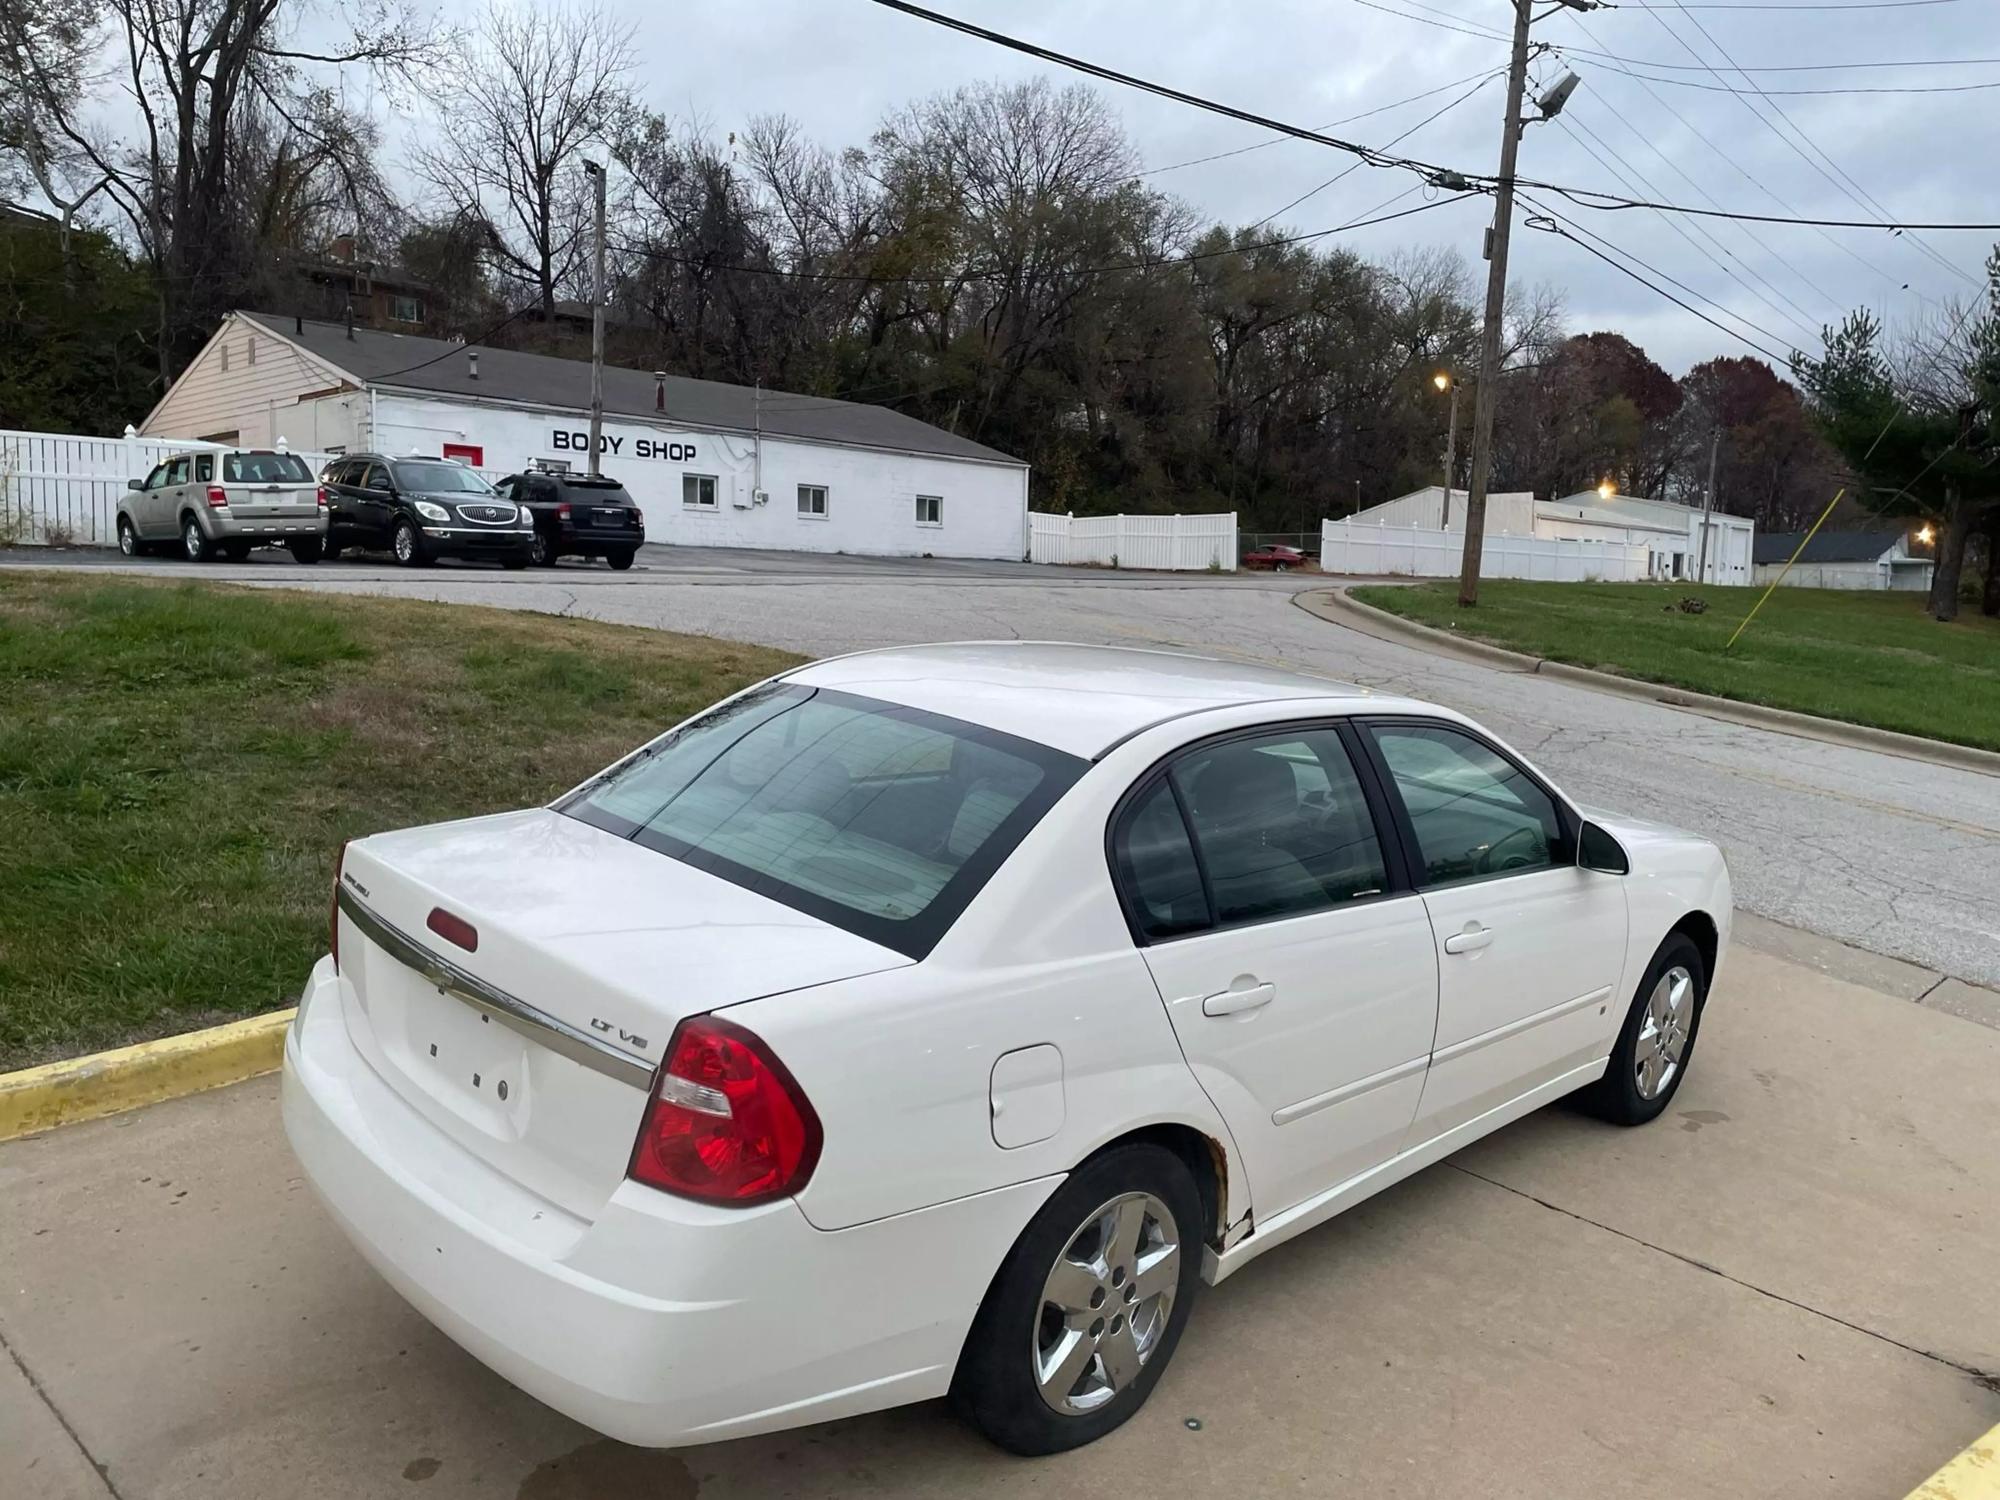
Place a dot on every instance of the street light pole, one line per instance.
(1707, 505)
(1450, 447)
(596, 172)
(1496, 289)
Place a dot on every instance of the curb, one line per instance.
(1973, 1475)
(1335, 605)
(109, 1083)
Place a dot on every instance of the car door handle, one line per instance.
(1234, 1002)
(1471, 940)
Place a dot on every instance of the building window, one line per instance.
(812, 502)
(930, 510)
(250, 349)
(225, 359)
(406, 310)
(698, 491)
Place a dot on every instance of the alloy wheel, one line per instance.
(405, 544)
(1106, 1303)
(1663, 1034)
(192, 542)
(128, 542)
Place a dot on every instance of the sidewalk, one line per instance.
(1777, 1290)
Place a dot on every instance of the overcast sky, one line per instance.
(838, 65)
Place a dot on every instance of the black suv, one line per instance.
(577, 516)
(421, 509)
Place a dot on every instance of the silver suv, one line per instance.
(225, 502)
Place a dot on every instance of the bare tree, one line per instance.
(182, 73)
(542, 86)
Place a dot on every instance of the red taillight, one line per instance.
(562, 511)
(727, 1123)
(453, 929)
(638, 516)
(333, 910)
(217, 495)
(322, 497)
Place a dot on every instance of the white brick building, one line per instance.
(712, 464)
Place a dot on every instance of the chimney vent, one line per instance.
(659, 390)
(472, 363)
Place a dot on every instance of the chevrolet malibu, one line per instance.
(939, 1020)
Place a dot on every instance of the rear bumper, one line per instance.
(661, 1321)
(597, 541)
(223, 525)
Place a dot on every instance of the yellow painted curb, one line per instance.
(109, 1083)
(1973, 1475)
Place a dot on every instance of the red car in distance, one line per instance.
(1278, 558)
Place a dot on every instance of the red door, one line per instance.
(469, 454)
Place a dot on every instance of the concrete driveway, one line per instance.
(1894, 855)
(1783, 1288)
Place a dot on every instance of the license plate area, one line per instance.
(476, 1066)
(610, 516)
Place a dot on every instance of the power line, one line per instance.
(1853, 190)
(1547, 223)
(1439, 176)
(1356, 166)
(1779, 5)
(1546, 212)
(1724, 88)
(1160, 263)
(460, 348)
(1278, 140)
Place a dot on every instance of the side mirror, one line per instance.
(1598, 850)
(135, 484)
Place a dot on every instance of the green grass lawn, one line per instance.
(178, 764)
(1869, 658)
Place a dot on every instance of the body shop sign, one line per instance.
(565, 441)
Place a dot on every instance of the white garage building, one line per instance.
(1669, 533)
(711, 464)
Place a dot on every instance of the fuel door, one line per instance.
(1027, 1096)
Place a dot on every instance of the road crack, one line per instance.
(103, 1473)
(1988, 1379)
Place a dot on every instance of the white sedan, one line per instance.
(938, 1020)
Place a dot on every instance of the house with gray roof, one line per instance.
(710, 463)
(1883, 557)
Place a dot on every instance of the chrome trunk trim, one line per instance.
(538, 1025)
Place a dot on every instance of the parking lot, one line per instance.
(1788, 1286)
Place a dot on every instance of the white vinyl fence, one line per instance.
(63, 488)
(1177, 543)
(1418, 552)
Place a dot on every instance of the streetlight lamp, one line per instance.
(1443, 381)
(1606, 489)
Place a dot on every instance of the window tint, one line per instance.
(1474, 812)
(505, 488)
(375, 477)
(1282, 825)
(1157, 868)
(177, 471)
(204, 468)
(881, 819)
(265, 468)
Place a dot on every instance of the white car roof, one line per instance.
(1079, 699)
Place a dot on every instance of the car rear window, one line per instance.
(585, 493)
(265, 468)
(880, 819)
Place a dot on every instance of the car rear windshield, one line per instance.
(265, 468)
(439, 478)
(879, 819)
(597, 492)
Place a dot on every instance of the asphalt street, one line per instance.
(1890, 854)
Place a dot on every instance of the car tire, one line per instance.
(541, 551)
(514, 564)
(1281, 567)
(194, 541)
(128, 538)
(1074, 1249)
(1656, 1043)
(407, 546)
(310, 550)
(621, 560)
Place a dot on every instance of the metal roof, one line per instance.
(1826, 547)
(1621, 510)
(372, 357)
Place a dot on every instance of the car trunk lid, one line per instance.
(533, 1046)
(263, 486)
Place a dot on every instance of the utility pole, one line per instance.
(1707, 505)
(596, 172)
(1488, 393)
